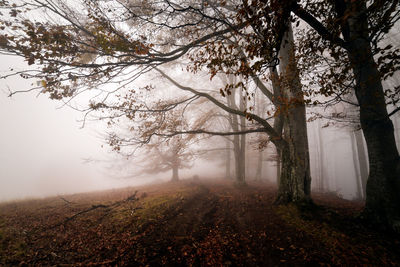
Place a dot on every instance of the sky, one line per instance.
(43, 149)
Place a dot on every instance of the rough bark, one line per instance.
(278, 121)
(383, 198)
(295, 179)
(357, 167)
(278, 164)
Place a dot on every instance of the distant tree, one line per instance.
(173, 154)
(158, 138)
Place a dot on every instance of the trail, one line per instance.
(190, 224)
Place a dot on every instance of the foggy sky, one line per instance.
(42, 148)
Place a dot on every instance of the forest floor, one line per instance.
(190, 223)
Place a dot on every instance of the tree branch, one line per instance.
(200, 131)
(318, 26)
(267, 127)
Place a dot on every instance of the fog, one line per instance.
(45, 151)
(43, 148)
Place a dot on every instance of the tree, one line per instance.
(348, 34)
(296, 152)
(362, 27)
(360, 163)
(238, 124)
(114, 42)
(173, 154)
(160, 152)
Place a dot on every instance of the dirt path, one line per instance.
(190, 224)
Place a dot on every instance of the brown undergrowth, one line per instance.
(190, 223)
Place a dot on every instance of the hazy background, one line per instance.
(43, 149)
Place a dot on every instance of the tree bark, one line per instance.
(228, 160)
(362, 161)
(278, 164)
(357, 167)
(396, 125)
(242, 152)
(279, 118)
(321, 159)
(259, 166)
(383, 186)
(295, 179)
(239, 141)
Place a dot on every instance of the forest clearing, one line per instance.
(190, 223)
(302, 94)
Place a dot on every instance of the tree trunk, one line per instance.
(238, 140)
(242, 106)
(278, 120)
(259, 166)
(357, 167)
(362, 161)
(396, 125)
(321, 159)
(295, 179)
(175, 176)
(175, 166)
(383, 186)
(278, 164)
(228, 160)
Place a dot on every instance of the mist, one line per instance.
(46, 151)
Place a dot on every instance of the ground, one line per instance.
(190, 223)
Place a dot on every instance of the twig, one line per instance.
(67, 201)
(93, 207)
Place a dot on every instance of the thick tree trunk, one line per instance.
(396, 125)
(295, 179)
(356, 166)
(278, 164)
(278, 120)
(383, 186)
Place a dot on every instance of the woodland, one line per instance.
(176, 81)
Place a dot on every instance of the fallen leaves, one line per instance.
(188, 224)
